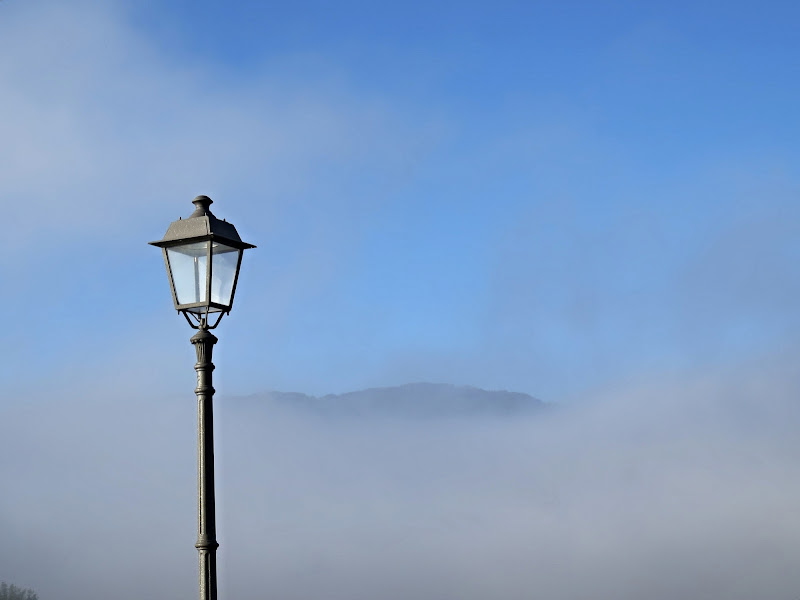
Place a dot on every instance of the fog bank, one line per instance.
(675, 486)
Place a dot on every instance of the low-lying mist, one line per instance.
(673, 487)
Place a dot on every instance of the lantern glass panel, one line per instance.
(189, 266)
(223, 274)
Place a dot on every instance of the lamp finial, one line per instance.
(201, 204)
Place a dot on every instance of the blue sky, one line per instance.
(545, 197)
(595, 203)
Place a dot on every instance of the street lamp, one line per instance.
(203, 255)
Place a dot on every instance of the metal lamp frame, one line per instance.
(202, 226)
(208, 305)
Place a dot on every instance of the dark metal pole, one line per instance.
(206, 544)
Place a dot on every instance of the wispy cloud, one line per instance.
(101, 128)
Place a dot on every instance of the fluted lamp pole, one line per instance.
(203, 255)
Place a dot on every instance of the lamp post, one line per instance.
(203, 255)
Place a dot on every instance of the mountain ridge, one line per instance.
(416, 400)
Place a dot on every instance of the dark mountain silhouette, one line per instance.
(414, 400)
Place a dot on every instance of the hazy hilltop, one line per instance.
(413, 400)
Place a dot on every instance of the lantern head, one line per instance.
(202, 255)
